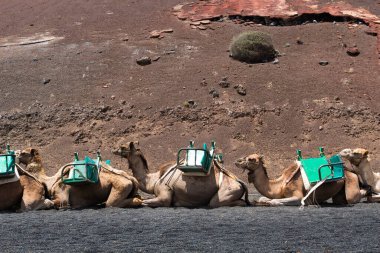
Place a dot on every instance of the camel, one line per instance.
(360, 165)
(172, 188)
(115, 188)
(288, 189)
(25, 194)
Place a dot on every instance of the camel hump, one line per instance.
(164, 167)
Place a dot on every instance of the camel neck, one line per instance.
(265, 186)
(140, 171)
(366, 173)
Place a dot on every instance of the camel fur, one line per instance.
(288, 189)
(361, 165)
(172, 188)
(115, 187)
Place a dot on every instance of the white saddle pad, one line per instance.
(7, 180)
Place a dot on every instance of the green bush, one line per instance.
(252, 47)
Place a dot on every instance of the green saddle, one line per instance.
(84, 171)
(196, 161)
(321, 168)
(7, 163)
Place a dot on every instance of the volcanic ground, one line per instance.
(70, 82)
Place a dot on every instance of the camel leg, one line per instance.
(292, 201)
(163, 199)
(373, 198)
(119, 197)
(352, 188)
(33, 199)
(229, 194)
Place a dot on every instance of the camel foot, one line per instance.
(48, 204)
(137, 201)
(264, 199)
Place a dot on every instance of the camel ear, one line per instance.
(34, 152)
(261, 157)
(365, 154)
(131, 146)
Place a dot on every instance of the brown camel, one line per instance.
(25, 194)
(361, 165)
(172, 188)
(288, 189)
(115, 187)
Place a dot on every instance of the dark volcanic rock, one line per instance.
(145, 60)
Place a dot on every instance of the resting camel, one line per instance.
(25, 194)
(172, 188)
(115, 188)
(288, 189)
(360, 165)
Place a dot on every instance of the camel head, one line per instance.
(355, 156)
(29, 155)
(132, 153)
(127, 150)
(250, 163)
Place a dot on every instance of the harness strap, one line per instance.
(231, 175)
(220, 179)
(28, 173)
(293, 174)
(313, 189)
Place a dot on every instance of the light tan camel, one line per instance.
(115, 187)
(288, 189)
(172, 188)
(23, 195)
(361, 165)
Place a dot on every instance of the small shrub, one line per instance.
(252, 47)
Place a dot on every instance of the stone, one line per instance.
(299, 41)
(169, 30)
(145, 60)
(113, 97)
(276, 61)
(196, 23)
(46, 81)
(203, 82)
(224, 83)
(353, 51)
(205, 22)
(287, 45)
(156, 58)
(214, 93)
(202, 27)
(241, 90)
(323, 63)
(154, 34)
(190, 103)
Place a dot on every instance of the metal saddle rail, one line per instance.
(7, 163)
(84, 171)
(197, 161)
(330, 166)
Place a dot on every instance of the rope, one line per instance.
(231, 175)
(313, 189)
